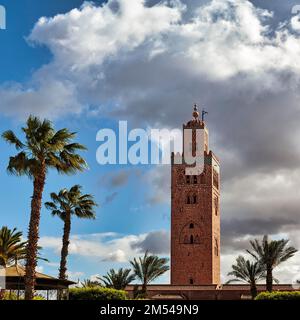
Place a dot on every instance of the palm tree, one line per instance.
(247, 272)
(87, 283)
(42, 149)
(148, 268)
(117, 280)
(270, 254)
(68, 203)
(12, 248)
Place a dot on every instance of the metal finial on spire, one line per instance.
(195, 113)
(204, 112)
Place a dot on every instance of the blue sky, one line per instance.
(127, 214)
(88, 66)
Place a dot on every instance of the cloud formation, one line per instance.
(156, 242)
(110, 246)
(149, 61)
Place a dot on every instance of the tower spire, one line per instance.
(195, 112)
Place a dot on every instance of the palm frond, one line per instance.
(10, 137)
(149, 267)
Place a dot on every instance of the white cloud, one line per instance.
(149, 48)
(75, 274)
(42, 98)
(222, 39)
(295, 22)
(86, 36)
(52, 264)
(98, 246)
(40, 269)
(94, 277)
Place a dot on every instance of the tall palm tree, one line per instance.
(148, 268)
(247, 272)
(270, 254)
(117, 280)
(12, 248)
(65, 204)
(43, 149)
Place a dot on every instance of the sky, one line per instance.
(88, 65)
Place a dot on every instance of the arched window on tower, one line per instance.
(188, 179)
(194, 199)
(190, 234)
(195, 179)
(188, 199)
(191, 199)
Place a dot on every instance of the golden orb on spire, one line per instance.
(196, 113)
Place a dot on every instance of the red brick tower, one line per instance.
(195, 215)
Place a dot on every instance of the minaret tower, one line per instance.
(195, 213)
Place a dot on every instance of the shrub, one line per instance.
(279, 295)
(39, 298)
(13, 296)
(9, 296)
(97, 293)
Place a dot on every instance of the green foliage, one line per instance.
(149, 267)
(271, 253)
(247, 271)
(87, 283)
(97, 293)
(117, 279)
(9, 296)
(13, 296)
(12, 248)
(38, 298)
(66, 204)
(279, 295)
(72, 201)
(44, 146)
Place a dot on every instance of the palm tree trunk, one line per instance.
(269, 283)
(65, 247)
(253, 290)
(144, 288)
(33, 233)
